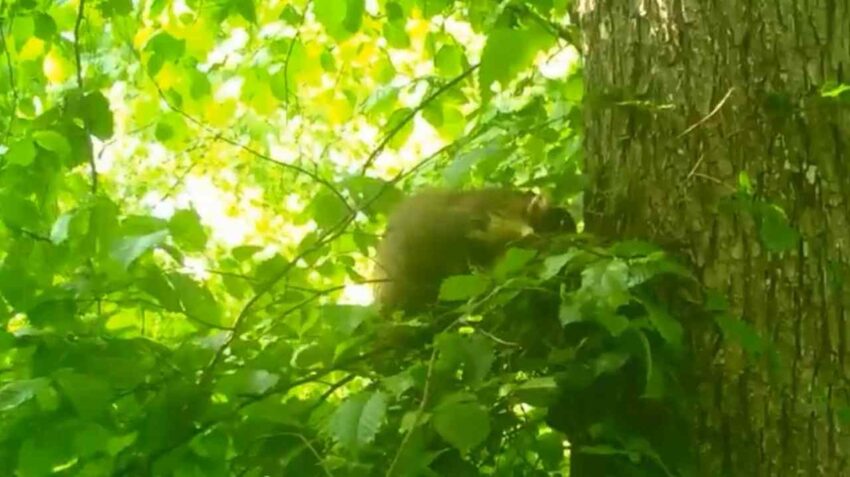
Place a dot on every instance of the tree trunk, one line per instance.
(685, 100)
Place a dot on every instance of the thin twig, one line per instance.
(401, 124)
(696, 166)
(419, 411)
(708, 116)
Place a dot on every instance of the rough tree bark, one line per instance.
(683, 96)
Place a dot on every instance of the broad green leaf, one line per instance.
(53, 142)
(615, 323)
(608, 280)
(396, 35)
(90, 395)
(44, 26)
(552, 265)
(247, 382)
(356, 422)
(775, 231)
(60, 230)
(330, 13)
(186, 229)
(345, 319)
(19, 212)
(514, 260)
(41, 451)
(463, 287)
(246, 9)
(327, 210)
(97, 115)
(197, 301)
(473, 354)
(508, 52)
(154, 282)
(537, 391)
(21, 153)
(90, 439)
(15, 393)
(400, 125)
(464, 425)
(163, 47)
(569, 312)
(449, 61)
(128, 249)
(666, 326)
(741, 333)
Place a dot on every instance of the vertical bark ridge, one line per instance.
(656, 67)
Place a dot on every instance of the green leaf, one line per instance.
(346, 319)
(246, 9)
(514, 260)
(666, 326)
(19, 212)
(153, 282)
(615, 324)
(327, 210)
(15, 393)
(507, 53)
(464, 425)
(53, 142)
(463, 287)
(356, 422)
(44, 26)
(396, 35)
(196, 299)
(247, 382)
(90, 439)
(61, 228)
(90, 395)
(330, 13)
(741, 333)
(553, 264)
(128, 249)
(449, 61)
(401, 124)
(186, 229)
(538, 391)
(163, 47)
(775, 231)
(21, 153)
(97, 115)
(473, 354)
(609, 281)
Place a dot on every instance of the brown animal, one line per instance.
(439, 233)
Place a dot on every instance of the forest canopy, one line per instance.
(192, 194)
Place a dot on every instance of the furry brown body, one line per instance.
(438, 233)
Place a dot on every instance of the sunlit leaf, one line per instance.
(463, 287)
(186, 229)
(508, 52)
(357, 421)
(21, 153)
(128, 249)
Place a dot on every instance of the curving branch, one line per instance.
(425, 102)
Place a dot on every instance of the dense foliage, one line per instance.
(189, 191)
